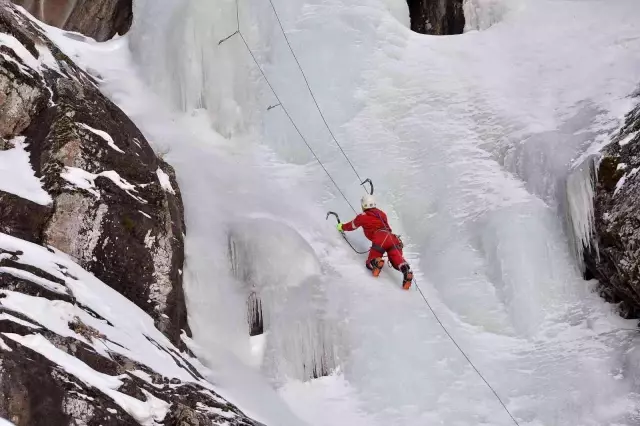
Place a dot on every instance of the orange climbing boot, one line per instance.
(376, 266)
(407, 277)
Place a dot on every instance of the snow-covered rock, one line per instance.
(437, 17)
(614, 253)
(75, 352)
(93, 326)
(99, 19)
(51, 114)
(82, 178)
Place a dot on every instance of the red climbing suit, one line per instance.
(377, 230)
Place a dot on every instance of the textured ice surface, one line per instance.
(469, 139)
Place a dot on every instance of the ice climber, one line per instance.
(376, 228)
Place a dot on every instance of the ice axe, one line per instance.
(334, 214)
(368, 181)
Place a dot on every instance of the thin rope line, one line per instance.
(293, 122)
(464, 354)
(311, 91)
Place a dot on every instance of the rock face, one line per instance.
(73, 351)
(93, 320)
(116, 208)
(614, 255)
(437, 17)
(99, 19)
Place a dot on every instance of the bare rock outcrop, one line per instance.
(115, 206)
(99, 19)
(73, 351)
(93, 324)
(437, 17)
(613, 255)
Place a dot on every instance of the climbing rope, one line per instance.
(306, 81)
(281, 105)
(465, 355)
(295, 126)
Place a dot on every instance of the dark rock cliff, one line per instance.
(437, 17)
(116, 207)
(99, 19)
(93, 319)
(614, 255)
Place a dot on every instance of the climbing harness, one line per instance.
(363, 182)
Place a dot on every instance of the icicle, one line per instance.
(580, 206)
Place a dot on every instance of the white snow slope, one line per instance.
(469, 140)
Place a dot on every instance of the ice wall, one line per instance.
(466, 140)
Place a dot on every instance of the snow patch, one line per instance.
(104, 135)
(81, 179)
(85, 180)
(26, 275)
(18, 48)
(18, 177)
(4, 347)
(623, 180)
(213, 410)
(165, 182)
(142, 375)
(620, 184)
(45, 57)
(8, 317)
(628, 139)
(70, 364)
(145, 412)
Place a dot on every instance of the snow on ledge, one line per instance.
(126, 328)
(45, 57)
(145, 412)
(103, 135)
(18, 48)
(628, 139)
(17, 176)
(84, 180)
(623, 180)
(165, 182)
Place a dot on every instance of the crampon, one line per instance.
(408, 279)
(376, 266)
